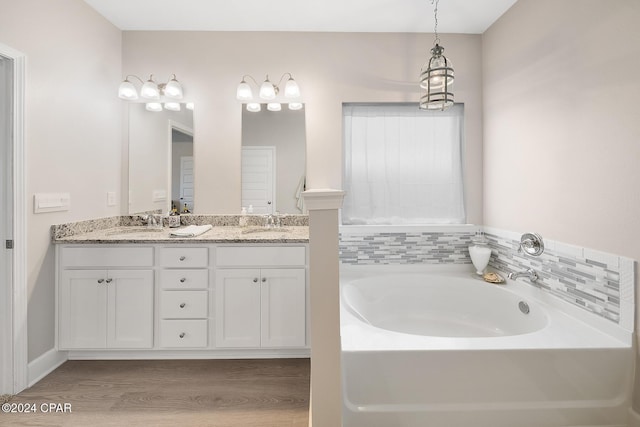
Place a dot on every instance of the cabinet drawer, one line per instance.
(245, 256)
(183, 304)
(184, 279)
(183, 333)
(107, 256)
(184, 257)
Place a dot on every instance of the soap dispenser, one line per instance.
(242, 221)
(480, 252)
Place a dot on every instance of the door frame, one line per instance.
(14, 339)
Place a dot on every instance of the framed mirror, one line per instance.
(273, 160)
(160, 159)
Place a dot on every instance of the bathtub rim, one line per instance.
(593, 330)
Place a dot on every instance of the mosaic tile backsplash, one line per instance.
(598, 282)
(595, 281)
(405, 248)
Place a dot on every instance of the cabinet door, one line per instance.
(283, 304)
(238, 308)
(82, 304)
(130, 309)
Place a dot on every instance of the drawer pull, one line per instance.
(264, 279)
(109, 280)
(182, 305)
(182, 335)
(100, 280)
(182, 258)
(184, 279)
(255, 280)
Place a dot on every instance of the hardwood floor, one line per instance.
(176, 393)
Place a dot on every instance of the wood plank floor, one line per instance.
(176, 393)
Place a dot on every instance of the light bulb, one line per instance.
(291, 89)
(189, 106)
(154, 106)
(267, 90)
(173, 89)
(244, 92)
(172, 106)
(127, 90)
(254, 107)
(150, 89)
(274, 106)
(295, 106)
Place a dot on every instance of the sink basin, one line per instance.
(265, 230)
(134, 230)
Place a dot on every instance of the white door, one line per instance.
(186, 182)
(130, 309)
(258, 178)
(283, 307)
(238, 308)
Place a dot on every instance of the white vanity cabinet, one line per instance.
(99, 307)
(260, 297)
(173, 300)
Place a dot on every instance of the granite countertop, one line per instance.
(224, 234)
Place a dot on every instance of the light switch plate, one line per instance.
(111, 198)
(159, 195)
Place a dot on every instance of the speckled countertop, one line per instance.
(130, 229)
(220, 234)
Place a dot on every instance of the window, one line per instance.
(402, 165)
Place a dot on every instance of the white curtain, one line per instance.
(403, 165)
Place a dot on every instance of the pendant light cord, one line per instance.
(435, 18)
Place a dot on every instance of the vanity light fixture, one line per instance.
(269, 92)
(436, 75)
(152, 91)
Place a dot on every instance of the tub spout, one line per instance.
(529, 273)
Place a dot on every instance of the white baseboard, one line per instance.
(45, 364)
(634, 418)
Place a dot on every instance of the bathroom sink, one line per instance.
(265, 230)
(136, 230)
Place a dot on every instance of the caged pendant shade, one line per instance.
(437, 79)
(436, 76)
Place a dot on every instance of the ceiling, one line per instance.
(454, 16)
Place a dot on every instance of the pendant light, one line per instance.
(436, 76)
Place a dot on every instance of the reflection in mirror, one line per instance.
(151, 158)
(273, 161)
(181, 168)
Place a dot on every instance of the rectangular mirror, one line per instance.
(273, 160)
(160, 159)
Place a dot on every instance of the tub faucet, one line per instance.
(529, 273)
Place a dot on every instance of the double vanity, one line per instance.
(136, 292)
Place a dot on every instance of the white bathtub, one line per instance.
(440, 348)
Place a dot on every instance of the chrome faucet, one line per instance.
(153, 221)
(529, 273)
(269, 221)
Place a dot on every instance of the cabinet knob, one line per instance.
(255, 280)
(182, 258)
(264, 279)
(182, 305)
(109, 280)
(183, 280)
(100, 280)
(182, 335)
